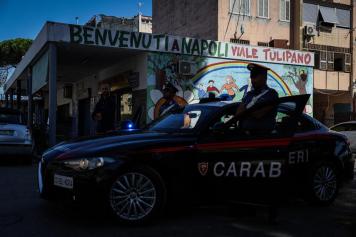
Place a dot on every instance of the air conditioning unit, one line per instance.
(186, 68)
(310, 30)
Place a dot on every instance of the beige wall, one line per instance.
(256, 29)
(330, 80)
(194, 18)
(347, 2)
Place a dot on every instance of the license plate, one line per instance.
(63, 181)
(7, 132)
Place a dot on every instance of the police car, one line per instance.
(200, 153)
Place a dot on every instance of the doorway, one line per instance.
(84, 117)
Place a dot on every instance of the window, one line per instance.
(241, 7)
(347, 62)
(344, 127)
(175, 122)
(285, 10)
(331, 61)
(262, 8)
(321, 60)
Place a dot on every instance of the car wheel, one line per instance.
(324, 184)
(137, 195)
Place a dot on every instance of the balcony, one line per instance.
(331, 80)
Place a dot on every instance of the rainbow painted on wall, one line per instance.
(238, 64)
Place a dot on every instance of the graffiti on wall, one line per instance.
(199, 77)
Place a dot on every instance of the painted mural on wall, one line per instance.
(197, 77)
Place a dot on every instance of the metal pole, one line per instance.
(6, 100)
(11, 98)
(29, 99)
(52, 81)
(18, 94)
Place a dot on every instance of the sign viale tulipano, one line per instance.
(184, 45)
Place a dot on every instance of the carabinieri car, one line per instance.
(197, 153)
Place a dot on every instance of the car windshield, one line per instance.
(13, 118)
(184, 121)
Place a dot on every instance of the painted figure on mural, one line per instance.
(229, 87)
(211, 88)
(169, 101)
(201, 91)
(104, 111)
(263, 120)
(301, 84)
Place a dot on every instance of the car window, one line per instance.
(224, 118)
(340, 128)
(186, 120)
(344, 127)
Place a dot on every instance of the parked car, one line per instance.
(349, 130)
(198, 153)
(15, 137)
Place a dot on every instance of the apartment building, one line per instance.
(138, 23)
(323, 27)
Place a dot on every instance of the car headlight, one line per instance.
(87, 163)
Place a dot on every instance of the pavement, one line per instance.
(23, 213)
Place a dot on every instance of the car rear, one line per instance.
(15, 137)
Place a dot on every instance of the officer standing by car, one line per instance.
(262, 120)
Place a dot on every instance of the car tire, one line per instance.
(137, 196)
(323, 184)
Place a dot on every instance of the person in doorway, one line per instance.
(104, 112)
(263, 120)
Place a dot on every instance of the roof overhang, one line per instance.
(76, 41)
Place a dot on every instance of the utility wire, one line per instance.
(228, 23)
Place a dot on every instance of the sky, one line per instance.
(25, 18)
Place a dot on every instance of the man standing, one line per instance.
(263, 120)
(169, 101)
(104, 112)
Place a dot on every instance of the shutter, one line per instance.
(330, 61)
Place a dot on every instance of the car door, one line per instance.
(233, 164)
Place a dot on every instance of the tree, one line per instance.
(11, 53)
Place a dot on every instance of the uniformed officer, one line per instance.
(263, 120)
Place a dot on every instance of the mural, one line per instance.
(197, 77)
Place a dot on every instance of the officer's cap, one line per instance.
(170, 87)
(257, 69)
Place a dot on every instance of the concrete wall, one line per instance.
(256, 29)
(198, 18)
(325, 104)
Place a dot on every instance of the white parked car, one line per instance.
(15, 137)
(349, 130)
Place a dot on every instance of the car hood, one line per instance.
(113, 145)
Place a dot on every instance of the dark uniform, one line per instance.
(106, 107)
(266, 122)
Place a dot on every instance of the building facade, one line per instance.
(322, 27)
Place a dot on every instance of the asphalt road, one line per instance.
(22, 213)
